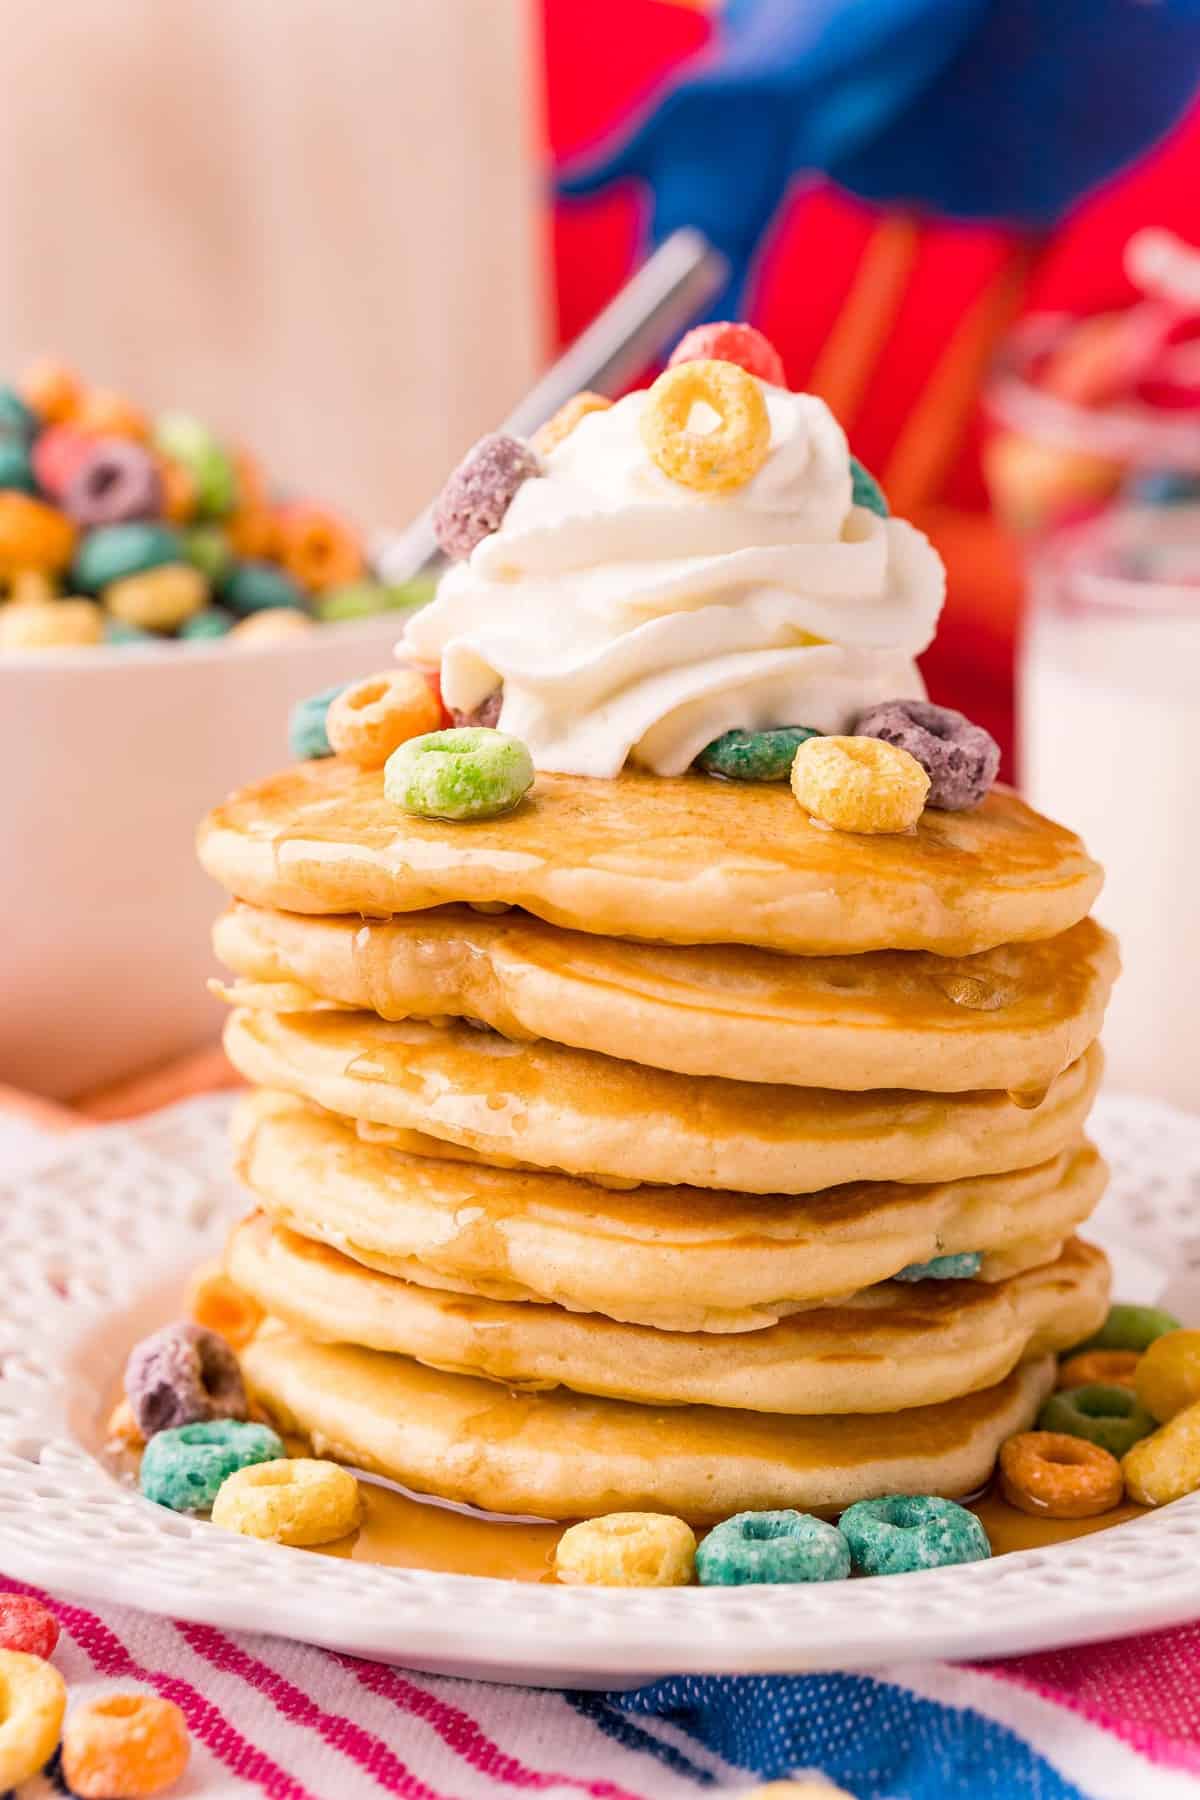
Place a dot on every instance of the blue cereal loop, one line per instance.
(943, 1268)
(866, 491)
(905, 1532)
(307, 739)
(772, 1547)
(184, 1468)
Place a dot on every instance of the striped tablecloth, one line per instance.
(1112, 1722)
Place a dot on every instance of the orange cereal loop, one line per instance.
(253, 534)
(106, 413)
(550, 435)
(123, 1428)
(179, 490)
(1114, 1368)
(32, 587)
(709, 462)
(218, 1303)
(371, 718)
(318, 549)
(251, 482)
(52, 389)
(858, 784)
(122, 1746)
(1054, 1476)
(32, 536)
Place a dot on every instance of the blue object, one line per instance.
(306, 725)
(1162, 487)
(943, 1268)
(866, 491)
(902, 1533)
(783, 1546)
(1003, 110)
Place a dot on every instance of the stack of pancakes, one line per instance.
(588, 1142)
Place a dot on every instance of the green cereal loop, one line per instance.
(15, 471)
(467, 773)
(183, 1468)
(943, 1268)
(307, 739)
(1104, 1415)
(772, 1546)
(191, 443)
(250, 587)
(207, 548)
(904, 1532)
(17, 423)
(866, 491)
(755, 755)
(213, 622)
(1130, 1328)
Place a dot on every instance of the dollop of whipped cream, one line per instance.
(630, 618)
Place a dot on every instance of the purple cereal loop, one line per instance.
(114, 483)
(960, 759)
(476, 497)
(486, 714)
(183, 1375)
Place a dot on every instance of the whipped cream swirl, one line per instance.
(630, 618)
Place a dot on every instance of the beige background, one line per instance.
(313, 221)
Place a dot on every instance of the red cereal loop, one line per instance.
(728, 341)
(27, 1625)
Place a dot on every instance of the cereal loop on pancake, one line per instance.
(631, 1549)
(557, 429)
(710, 462)
(371, 718)
(859, 784)
(297, 1500)
(1054, 1476)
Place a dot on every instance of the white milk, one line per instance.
(1110, 736)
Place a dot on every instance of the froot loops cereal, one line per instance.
(33, 1698)
(123, 1746)
(755, 755)
(371, 718)
(627, 1550)
(1115, 1367)
(183, 1469)
(1168, 1374)
(772, 1546)
(715, 461)
(96, 496)
(467, 773)
(296, 1501)
(1056, 1476)
(182, 1375)
(557, 429)
(480, 491)
(960, 759)
(1166, 1465)
(732, 342)
(220, 1305)
(903, 1532)
(1104, 1415)
(26, 1625)
(859, 784)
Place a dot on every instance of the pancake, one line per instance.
(897, 1345)
(555, 1108)
(1010, 1017)
(559, 1455)
(681, 1259)
(684, 860)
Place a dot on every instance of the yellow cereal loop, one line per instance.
(216, 1302)
(274, 625)
(157, 599)
(627, 1550)
(1166, 1465)
(550, 435)
(33, 1698)
(295, 1500)
(50, 624)
(716, 461)
(373, 717)
(1167, 1377)
(859, 783)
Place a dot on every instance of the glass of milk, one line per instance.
(1109, 698)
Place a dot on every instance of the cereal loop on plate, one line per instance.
(1054, 1476)
(900, 1533)
(1168, 1375)
(631, 1549)
(1103, 1414)
(184, 1469)
(1129, 1327)
(124, 1745)
(1166, 1466)
(1116, 1367)
(710, 462)
(297, 1500)
(220, 1305)
(33, 1698)
(859, 784)
(549, 436)
(371, 718)
(779, 1546)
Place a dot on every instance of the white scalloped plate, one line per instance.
(91, 1244)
